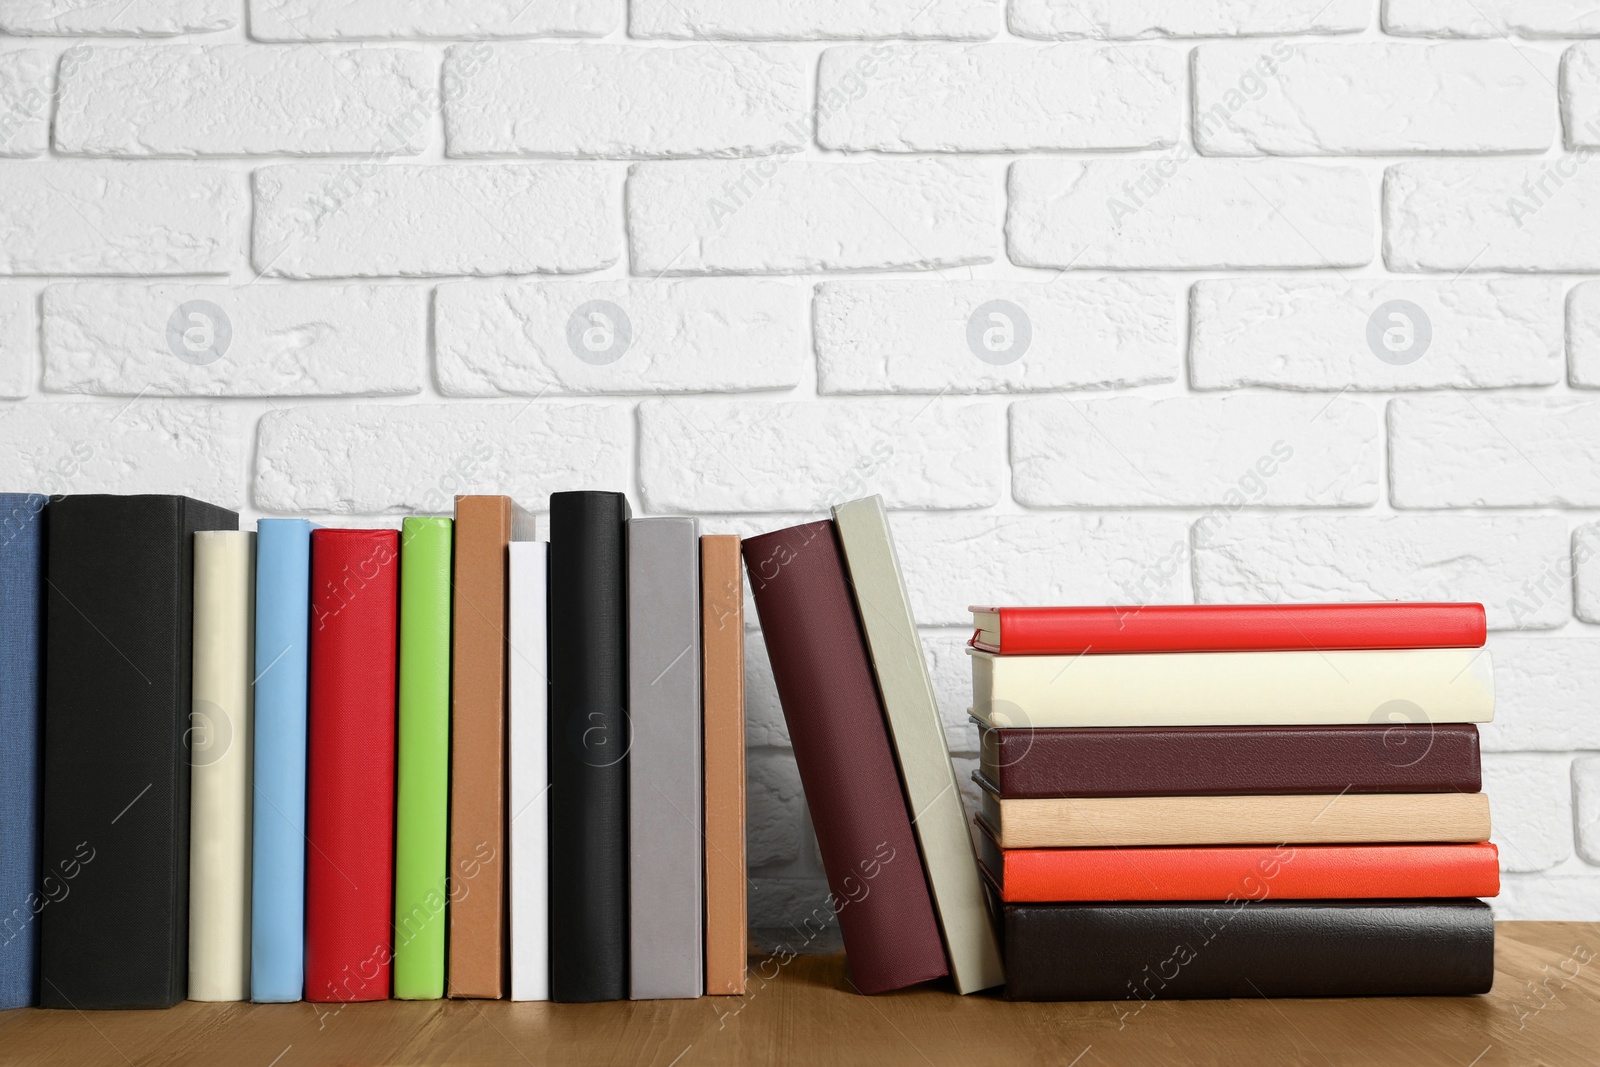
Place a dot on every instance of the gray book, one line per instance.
(666, 852)
(919, 743)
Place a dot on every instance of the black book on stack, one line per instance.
(588, 747)
(117, 699)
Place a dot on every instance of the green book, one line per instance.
(422, 800)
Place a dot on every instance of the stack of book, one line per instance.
(1220, 801)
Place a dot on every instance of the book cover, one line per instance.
(666, 852)
(119, 646)
(21, 722)
(278, 861)
(355, 598)
(589, 743)
(722, 685)
(918, 735)
(422, 771)
(221, 734)
(841, 744)
(530, 770)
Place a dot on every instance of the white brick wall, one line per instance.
(1113, 301)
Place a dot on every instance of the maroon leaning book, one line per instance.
(841, 744)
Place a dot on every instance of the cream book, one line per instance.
(1233, 688)
(917, 731)
(220, 761)
(1340, 818)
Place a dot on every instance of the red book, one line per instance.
(355, 598)
(1072, 631)
(1276, 872)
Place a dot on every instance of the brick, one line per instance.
(231, 100)
(1491, 18)
(316, 20)
(744, 455)
(376, 458)
(764, 724)
(1546, 692)
(781, 215)
(121, 218)
(1232, 452)
(999, 97)
(19, 341)
(775, 809)
(1259, 98)
(1133, 19)
(1586, 798)
(950, 668)
(1381, 335)
(1585, 570)
(552, 338)
(134, 18)
(1530, 808)
(1483, 215)
(1459, 452)
(954, 561)
(1549, 897)
(945, 336)
(142, 446)
(1580, 95)
(1583, 335)
(1179, 212)
(809, 20)
(1510, 564)
(603, 101)
(27, 80)
(364, 220)
(138, 339)
(789, 916)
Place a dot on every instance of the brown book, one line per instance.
(722, 685)
(478, 962)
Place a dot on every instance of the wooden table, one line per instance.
(804, 1013)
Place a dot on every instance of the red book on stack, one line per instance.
(355, 597)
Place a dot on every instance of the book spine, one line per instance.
(21, 709)
(530, 771)
(220, 764)
(665, 843)
(722, 654)
(841, 746)
(278, 863)
(350, 773)
(589, 742)
(422, 793)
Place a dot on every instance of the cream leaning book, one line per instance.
(1233, 688)
(220, 760)
(528, 668)
(917, 731)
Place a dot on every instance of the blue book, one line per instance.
(278, 867)
(21, 654)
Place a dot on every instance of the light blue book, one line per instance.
(278, 869)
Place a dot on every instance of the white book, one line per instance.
(220, 760)
(530, 770)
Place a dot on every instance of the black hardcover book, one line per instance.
(118, 614)
(588, 747)
(1132, 953)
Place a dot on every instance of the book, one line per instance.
(1226, 760)
(1131, 954)
(823, 675)
(722, 688)
(589, 742)
(278, 831)
(1071, 631)
(422, 767)
(221, 732)
(1282, 872)
(484, 526)
(917, 732)
(21, 723)
(1233, 688)
(529, 709)
(355, 594)
(1353, 818)
(118, 688)
(666, 851)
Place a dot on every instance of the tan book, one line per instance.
(722, 686)
(1342, 818)
(478, 961)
